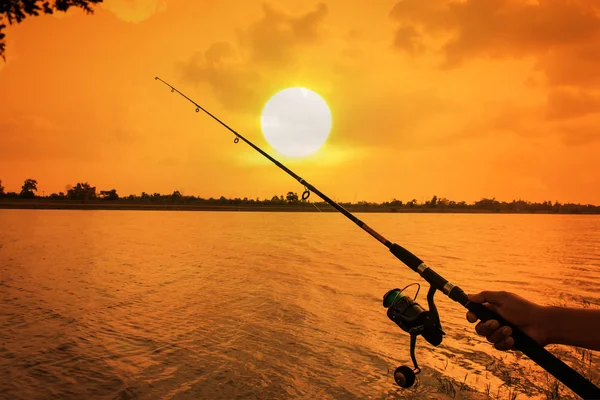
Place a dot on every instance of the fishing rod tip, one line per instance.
(156, 78)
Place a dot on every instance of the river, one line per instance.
(221, 305)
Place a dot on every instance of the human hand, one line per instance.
(523, 314)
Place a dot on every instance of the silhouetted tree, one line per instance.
(291, 197)
(109, 194)
(59, 196)
(433, 202)
(487, 204)
(82, 191)
(155, 197)
(1, 189)
(443, 202)
(18, 10)
(29, 186)
(176, 196)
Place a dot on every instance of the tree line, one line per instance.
(81, 191)
(84, 192)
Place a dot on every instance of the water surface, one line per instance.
(221, 305)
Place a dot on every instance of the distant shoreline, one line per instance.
(43, 204)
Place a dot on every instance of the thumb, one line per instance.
(495, 298)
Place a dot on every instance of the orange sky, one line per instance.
(462, 99)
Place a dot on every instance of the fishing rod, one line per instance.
(414, 319)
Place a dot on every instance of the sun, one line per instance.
(296, 121)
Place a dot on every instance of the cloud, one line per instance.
(581, 133)
(564, 35)
(33, 138)
(560, 37)
(502, 119)
(134, 10)
(406, 120)
(239, 73)
(570, 118)
(233, 83)
(571, 103)
(408, 38)
(30, 138)
(576, 65)
(274, 39)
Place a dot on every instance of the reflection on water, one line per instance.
(201, 305)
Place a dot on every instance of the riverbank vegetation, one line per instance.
(82, 195)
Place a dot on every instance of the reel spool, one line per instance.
(415, 320)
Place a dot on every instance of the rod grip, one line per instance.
(405, 256)
(532, 349)
(485, 314)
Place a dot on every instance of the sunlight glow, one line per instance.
(296, 121)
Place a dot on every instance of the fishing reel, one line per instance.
(415, 320)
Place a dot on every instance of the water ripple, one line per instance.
(153, 305)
